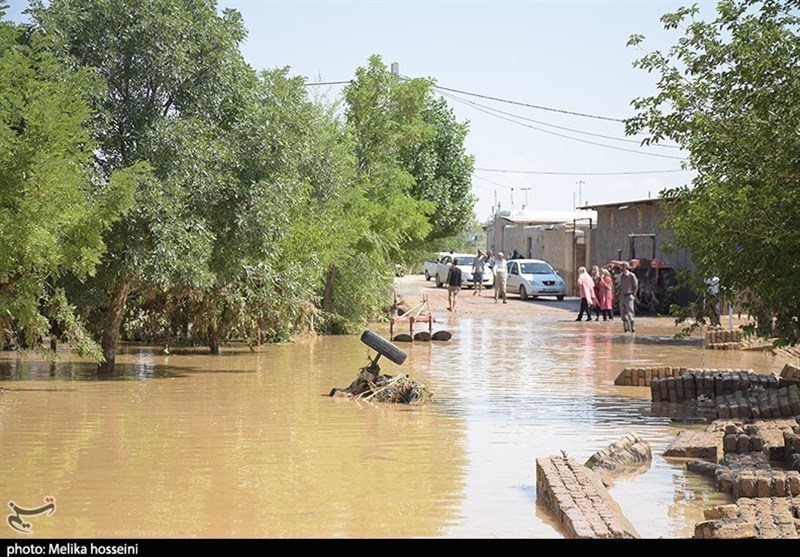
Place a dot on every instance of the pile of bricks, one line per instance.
(790, 373)
(718, 338)
(580, 501)
(760, 518)
(644, 376)
(691, 384)
(766, 498)
(630, 456)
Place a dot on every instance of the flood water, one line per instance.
(249, 445)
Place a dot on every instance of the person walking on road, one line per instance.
(500, 277)
(453, 285)
(586, 292)
(477, 272)
(606, 298)
(628, 287)
(597, 277)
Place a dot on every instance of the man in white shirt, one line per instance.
(500, 276)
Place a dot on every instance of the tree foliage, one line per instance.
(192, 198)
(729, 94)
(54, 206)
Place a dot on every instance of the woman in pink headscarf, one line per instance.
(586, 292)
(606, 297)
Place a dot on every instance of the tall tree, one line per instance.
(172, 69)
(54, 206)
(729, 94)
(442, 170)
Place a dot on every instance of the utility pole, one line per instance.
(512, 199)
(580, 183)
(526, 196)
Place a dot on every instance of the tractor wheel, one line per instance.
(383, 347)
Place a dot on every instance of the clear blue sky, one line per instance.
(563, 55)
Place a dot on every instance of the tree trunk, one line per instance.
(115, 311)
(213, 340)
(327, 293)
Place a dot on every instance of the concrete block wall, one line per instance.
(762, 518)
(692, 384)
(580, 502)
(791, 373)
(643, 376)
(718, 335)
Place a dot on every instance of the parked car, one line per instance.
(465, 262)
(429, 267)
(531, 278)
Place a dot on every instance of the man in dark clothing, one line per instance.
(453, 283)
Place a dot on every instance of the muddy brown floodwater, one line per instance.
(248, 444)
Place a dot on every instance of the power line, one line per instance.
(493, 183)
(576, 138)
(328, 83)
(472, 103)
(555, 173)
(538, 107)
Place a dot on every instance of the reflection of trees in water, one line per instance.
(260, 452)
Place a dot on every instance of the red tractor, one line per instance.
(656, 279)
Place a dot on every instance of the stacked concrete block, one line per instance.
(762, 518)
(790, 373)
(719, 335)
(629, 456)
(643, 376)
(791, 447)
(766, 483)
(707, 383)
(580, 502)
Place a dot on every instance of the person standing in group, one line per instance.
(477, 272)
(606, 298)
(628, 287)
(453, 283)
(500, 277)
(490, 259)
(586, 292)
(597, 277)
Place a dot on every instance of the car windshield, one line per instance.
(465, 260)
(536, 269)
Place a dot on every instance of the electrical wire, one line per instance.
(578, 139)
(555, 173)
(472, 103)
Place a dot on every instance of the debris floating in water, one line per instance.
(370, 385)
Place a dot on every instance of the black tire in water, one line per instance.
(383, 347)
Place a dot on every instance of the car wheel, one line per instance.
(523, 293)
(427, 275)
(560, 298)
(383, 347)
(439, 282)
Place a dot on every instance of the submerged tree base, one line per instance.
(370, 385)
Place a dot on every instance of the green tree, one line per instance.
(729, 94)
(413, 181)
(174, 79)
(442, 170)
(54, 206)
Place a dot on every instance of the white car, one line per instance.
(465, 261)
(531, 278)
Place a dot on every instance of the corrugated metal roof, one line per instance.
(546, 217)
